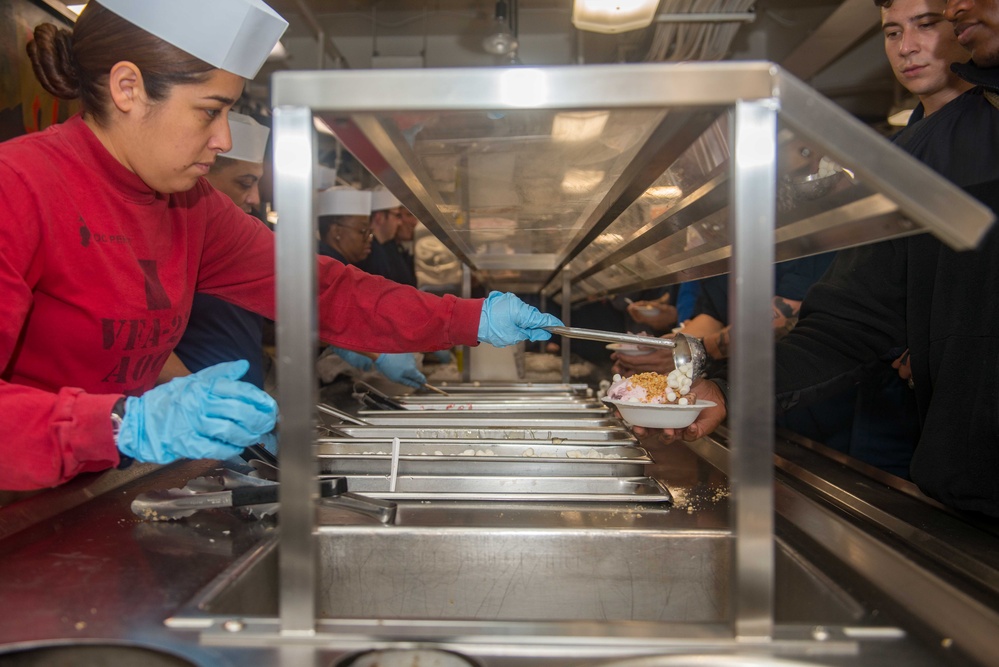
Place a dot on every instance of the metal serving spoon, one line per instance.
(686, 349)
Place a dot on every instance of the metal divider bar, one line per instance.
(295, 154)
(566, 316)
(751, 408)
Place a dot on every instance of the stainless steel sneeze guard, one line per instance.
(678, 114)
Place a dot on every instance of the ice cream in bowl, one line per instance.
(653, 400)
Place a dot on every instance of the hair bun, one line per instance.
(51, 54)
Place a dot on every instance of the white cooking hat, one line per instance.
(234, 35)
(382, 199)
(249, 139)
(343, 200)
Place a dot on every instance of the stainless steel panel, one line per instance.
(516, 388)
(489, 413)
(450, 403)
(751, 410)
(373, 457)
(534, 489)
(478, 420)
(474, 432)
(294, 157)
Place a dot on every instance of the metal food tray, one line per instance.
(469, 418)
(513, 388)
(560, 399)
(481, 487)
(373, 457)
(494, 411)
(503, 405)
(615, 435)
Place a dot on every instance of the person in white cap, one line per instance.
(345, 224)
(109, 229)
(345, 235)
(218, 331)
(386, 258)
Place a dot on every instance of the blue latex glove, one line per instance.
(207, 415)
(355, 359)
(506, 320)
(401, 368)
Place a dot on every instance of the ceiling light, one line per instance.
(76, 9)
(579, 125)
(501, 39)
(581, 181)
(613, 16)
(663, 192)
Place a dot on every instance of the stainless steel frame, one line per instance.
(355, 104)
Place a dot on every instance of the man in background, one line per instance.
(217, 330)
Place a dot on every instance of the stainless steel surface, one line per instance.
(533, 489)
(488, 420)
(612, 337)
(517, 388)
(751, 409)
(543, 407)
(492, 413)
(342, 415)
(177, 503)
(552, 434)
(295, 154)
(481, 457)
(382, 511)
(464, 575)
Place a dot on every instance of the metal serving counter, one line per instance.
(867, 572)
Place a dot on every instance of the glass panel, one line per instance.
(521, 182)
(821, 205)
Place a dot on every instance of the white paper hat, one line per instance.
(234, 35)
(382, 199)
(249, 139)
(325, 177)
(344, 201)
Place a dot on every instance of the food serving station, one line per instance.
(530, 527)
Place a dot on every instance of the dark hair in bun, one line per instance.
(77, 64)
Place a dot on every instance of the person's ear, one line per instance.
(126, 86)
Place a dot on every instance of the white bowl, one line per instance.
(629, 349)
(656, 415)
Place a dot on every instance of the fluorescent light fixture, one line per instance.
(581, 181)
(76, 9)
(613, 16)
(579, 125)
(663, 192)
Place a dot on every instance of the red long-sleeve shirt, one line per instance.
(97, 275)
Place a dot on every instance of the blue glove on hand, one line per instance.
(506, 320)
(355, 359)
(401, 368)
(207, 415)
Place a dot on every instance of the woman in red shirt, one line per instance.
(109, 229)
